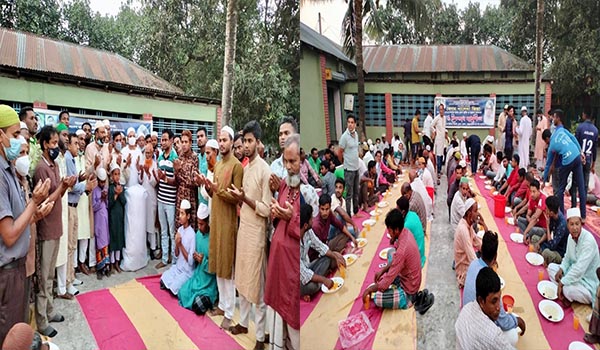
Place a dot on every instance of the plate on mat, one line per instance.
(595, 207)
(384, 253)
(516, 237)
(548, 290)
(338, 282)
(507, 209)
(383, 204)
(534, 259)
(482, 177)
(551, 310)
(361, 242)
(488, 182)
(510, 221)
(577, 345)
(369, 222)
(375, 212)
(488, 187)
(350, 259)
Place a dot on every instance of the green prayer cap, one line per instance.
(61, 127)
(8, 116)
(464, 180)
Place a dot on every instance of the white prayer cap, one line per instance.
(101, 173)
(463, 163)
(464, 134)
(489, 139)
(98, 125)
(203, 211)
(573, 213)
(130, 130)
(505, 106)
(22, 139)
(113, 166)
(23, 125)
(212, 143)
(185, 204)
(523, 109)
(468, 204)
(228, 130)
(79, 132)
(140, 134)
(106, 123)
(382, 135)
(428, 148)
(370, 142)
(154, 134)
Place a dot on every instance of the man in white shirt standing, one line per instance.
(524, 131)
(501, 128)
(348, 154)
(427, 129)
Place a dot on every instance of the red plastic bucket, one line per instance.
(499, 204)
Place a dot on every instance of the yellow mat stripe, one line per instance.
(247, 341)
(534, 337)
(152, 321)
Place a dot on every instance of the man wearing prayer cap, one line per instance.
(25, 131)
(97, 153)
(501, 128)
(457, 208)
(465, 239)
(28, 116)
(223, 223)
(576, 275)
(14, 238)
(63, 133)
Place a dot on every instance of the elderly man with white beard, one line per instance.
(282, 288)
(149, 180)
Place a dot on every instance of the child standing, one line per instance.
(200, 293)
(101, 235)
(116, 206)
(185, 243)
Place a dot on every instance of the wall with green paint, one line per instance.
(86, 98)
(312, 116)
(445, 89)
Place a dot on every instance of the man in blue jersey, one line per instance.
(562, 143)
(587, 134)
(166, 196)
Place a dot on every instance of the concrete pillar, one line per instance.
(389, 120)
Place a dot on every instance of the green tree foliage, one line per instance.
(182, 41)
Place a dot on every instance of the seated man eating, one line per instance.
(475, 327)
(338, 205)
(466, 241)
(413, 224)
(576, 275)
(403, 271)
(553, 244)
(369, 187)
(508, 323)
(535, 222)
(312, 275)
(322, 225)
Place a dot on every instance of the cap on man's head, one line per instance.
(114, 166)
(106, 123)
(468, 204)
(463, 163)
(101, 174)
(428, 148)
(8, 116)
(228, 130)
(99, 124)
(79, 132)
(464, 134)
(505, 106)
(185, 204)
(212, 143)
(203, 211)
(23, 125)
(573, 213)
(61, 127)
(523, 109)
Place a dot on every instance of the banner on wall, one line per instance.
(50, 117)
(468, 112)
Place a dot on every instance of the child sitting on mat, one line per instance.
(185, 243)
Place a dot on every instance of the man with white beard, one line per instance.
(134, 254)
(149, 180)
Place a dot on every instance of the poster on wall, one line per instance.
(50, 117)
(468, 112)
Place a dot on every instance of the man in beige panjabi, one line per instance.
(251, 257)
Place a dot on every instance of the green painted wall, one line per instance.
(374, 132)
(86, 98)
(445, 89)
(312, 116)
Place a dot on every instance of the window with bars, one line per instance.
(374, 109)
(405, 106)
(178, 125)
(517, 101)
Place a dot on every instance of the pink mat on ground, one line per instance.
(559, 335)
(200, 329)
(108, 322)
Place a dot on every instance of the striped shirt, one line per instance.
(167, 194)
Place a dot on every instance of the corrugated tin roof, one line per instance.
(322, 43)
(35, 53)
(440, 58)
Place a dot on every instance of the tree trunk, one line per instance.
(229, 61)
(539, 33)
(360, 74)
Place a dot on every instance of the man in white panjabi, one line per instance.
(501, 129)
(475, 327)
(149, 182)
(576, 275)
(135, 255)
(439, 134)
(251, 254)
(524, 131)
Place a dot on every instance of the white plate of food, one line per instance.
(384, 253)
(480, 233)
(350, 259)
(516, 237)
(383, 204)
(361, 242)
(482, 177)
(577, 345)
(534, 259)
(551, 310)
(510, 221)
(507, 209)
(488, 182)
(488, 187)
(502, 283)
(338, 282)
(369, 222)
(595, 207)
(548, 290)
(375, 212)
(395, 185)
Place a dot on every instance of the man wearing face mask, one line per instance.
(49, 229)
(211, 152)
(117, 153)
(27, 115)
(97, 153)
(15, 216)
